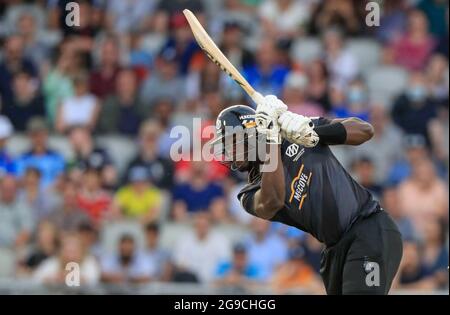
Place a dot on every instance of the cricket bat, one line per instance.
(216, 55)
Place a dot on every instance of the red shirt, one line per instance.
(411, 55)
(94, 205)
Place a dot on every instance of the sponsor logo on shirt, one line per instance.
(299, 187)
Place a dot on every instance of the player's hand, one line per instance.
(298, 129)
(269, 109)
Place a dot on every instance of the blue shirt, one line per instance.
(51, 164)
(6, 163)
(197, 200)
(250, 271)
(271, 83)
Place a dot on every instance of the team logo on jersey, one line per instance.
(292, 150)
(299, 187)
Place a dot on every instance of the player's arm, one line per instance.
(350, 131)
(269, 199)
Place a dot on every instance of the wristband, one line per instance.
(334, 133)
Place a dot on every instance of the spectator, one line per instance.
(437, 79)
(423, 196)
(53, 269)
(436, 12)
(156, 255)
(67, 216)
(265, 250)
(318, 84)
(159, 168)
(122, 113)
(102, 81)
(92, 199)
(233, 34)
(44, 246)
(198, 194)
(237, 272)
(413, 110)
(6, 162)
(296, 274)
(356, 104)
(47, 161)
(364, 172)
(129, 265)
(27, 102)
(164, 82)
(90, 155)
(89, 236)
(81, 109)
(385, 147)
(16, 225)
(342, 65)
(393, 21)
(139, 199)
(125, 16)
(201, 251)
(294, 95)
(266, 76)
(415, 46)
(284, 18)
(390, 203)
(12, 62)
(412, 274)
(40, 200)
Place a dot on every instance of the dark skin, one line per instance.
(269, 199)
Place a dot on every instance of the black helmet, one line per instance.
(234, 122)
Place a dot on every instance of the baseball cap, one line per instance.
(36, 124)
(6, 128)
(138, 174)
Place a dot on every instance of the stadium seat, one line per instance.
(385, 83)
(61, 145)
(111, 233)
(7, 262)
(366, 51)
(17, 145)
(306, 49)
(171, 232)
(121, 149)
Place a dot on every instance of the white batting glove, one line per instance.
(298, 129)
(269, 109)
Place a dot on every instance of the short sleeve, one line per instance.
(247, 195)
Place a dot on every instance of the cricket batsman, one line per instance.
(309, 189)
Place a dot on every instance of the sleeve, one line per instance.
(246, 197)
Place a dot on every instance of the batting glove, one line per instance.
(269, 109)
(298, 129)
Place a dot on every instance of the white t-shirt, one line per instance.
(202, 256)
(288, 20)
(78, 110)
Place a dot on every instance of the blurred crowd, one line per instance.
(72, 96)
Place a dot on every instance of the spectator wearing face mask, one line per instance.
(356, 103)
(413, 110)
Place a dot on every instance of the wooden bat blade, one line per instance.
(215, 54)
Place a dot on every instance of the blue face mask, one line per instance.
(417, 93)
(356, 95)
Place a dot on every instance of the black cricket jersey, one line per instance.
(321, 197)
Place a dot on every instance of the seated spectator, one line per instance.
(201, 250)
(198, 194)
(284, 18)
(89, 155)
(92, 198)
(318, 79)
(90, 238)
(390, 203)
(356, 102)
(50, 163)
(393, 20)
(16, 224)
(12, 62)
(436, 13)
(341, 64)
(435, 251)
(164, 82)
(294, 96)
(437, 79)
(129, 265)
(40, 200)
(53, 270)
(296, 274)
(67, 216)
(237, 272)
(26, 103)
(140, 199)
(413, 110)
(364, 172)
(123, 16)
(156, 255)
(102, 80)
(266, 75)
(44, 246)
(413, 48)
(6, 131)
(423, 196)
(81, 109)
(160, 168)
(265, 250)
(120, 112)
